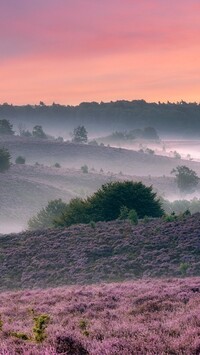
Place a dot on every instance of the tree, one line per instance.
(106, 203)
(116, 199)
(45, 218)
(38, 132)
(5, 158)
(80, 135)
(186, 179)
(6, 127)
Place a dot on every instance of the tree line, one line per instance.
(180, 118)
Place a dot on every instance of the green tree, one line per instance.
(75, 212)
(6, 127)
(5, 158)
(186, 179)
(106, 203)
(80, 135)
(45, 218)
(38, 132)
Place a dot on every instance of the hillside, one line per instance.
(70, 155)
(144, 317)
(111, 251)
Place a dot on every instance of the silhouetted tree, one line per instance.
(6, 127)
(186, 179)
(80, 135)
(38, 132)
(5, 158)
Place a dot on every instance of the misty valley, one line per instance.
(99, 232)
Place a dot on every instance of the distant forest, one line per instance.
(179, 118)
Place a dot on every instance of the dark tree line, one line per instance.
(181, 118)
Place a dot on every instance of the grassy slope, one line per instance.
(143, 317)
(109, 159)
(110, 252)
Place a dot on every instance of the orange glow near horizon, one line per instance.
(69, 52)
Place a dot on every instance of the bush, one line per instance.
(5, 158)
(84, 169)
(133, 217)
(123, 213)
(20, 160)
(57, 165)
(40, 325)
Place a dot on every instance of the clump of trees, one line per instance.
(6, 128)
(106, 204)
(186, 179)
(149, 133)
(5, 160)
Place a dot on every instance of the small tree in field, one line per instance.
(80, 135)
(5, 158)
(6, 127)
(186, 179)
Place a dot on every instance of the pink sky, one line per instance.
(69, 51)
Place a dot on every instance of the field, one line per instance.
(141, 317)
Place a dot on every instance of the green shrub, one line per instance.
(133, 217)
(124, 211)
(40, 324)
(183, 268)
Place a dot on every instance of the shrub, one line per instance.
(133, 217)
(183, 268)
(20, 160)
(40, 325)
(57, 165)
(123, 213)
(84, 169)
(69, 345)
(5, 158)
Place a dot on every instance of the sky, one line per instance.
(72, 51)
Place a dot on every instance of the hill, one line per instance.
(71, 155)
(109, 252)
(144, 317)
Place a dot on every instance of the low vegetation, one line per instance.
(154, 316)
(101, 251)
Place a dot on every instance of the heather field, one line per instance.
(141, 317)
(105, 252)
